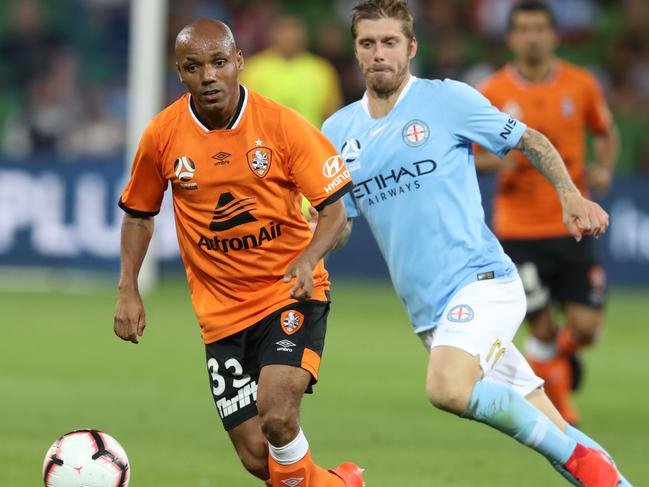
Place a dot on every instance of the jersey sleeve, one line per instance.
(143, 193)
(313, 162)
(350, 205)
(471, 118)
(598, 116)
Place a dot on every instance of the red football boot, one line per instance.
(351, 474)
(592, 467)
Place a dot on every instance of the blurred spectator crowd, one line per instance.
(63, 62)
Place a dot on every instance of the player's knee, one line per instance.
(445, 392)
(587, 332)
(279, 427)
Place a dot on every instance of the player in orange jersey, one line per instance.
(238, 164)
(562, 101)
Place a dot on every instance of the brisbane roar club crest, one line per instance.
(259, 160)
(291, 321)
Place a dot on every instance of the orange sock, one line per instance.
(303, 473)
(557, 376)
(566, 343)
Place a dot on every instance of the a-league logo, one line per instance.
(184, 168)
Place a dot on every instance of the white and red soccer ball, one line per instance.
(86, 458)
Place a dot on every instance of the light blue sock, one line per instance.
(501, 407)
(585, 440)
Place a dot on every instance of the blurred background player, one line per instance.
(255, 272)
(415, 184)
(563, 102)
(289, 74)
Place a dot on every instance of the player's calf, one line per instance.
(251, 447)
(255, 466)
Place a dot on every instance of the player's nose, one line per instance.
(209, 75)
(378, 52)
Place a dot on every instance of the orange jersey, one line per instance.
(237, 194)
(562, 108)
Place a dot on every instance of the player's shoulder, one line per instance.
(258, 101)
(169, 117)
(420, 85)
(270, 112)
(342, 117)
(171, 112)
(451, 92)
(267, 110)
(576, 74)
(499, 79)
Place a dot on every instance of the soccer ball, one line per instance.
(86, 458)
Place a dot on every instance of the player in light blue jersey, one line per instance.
(408, 146)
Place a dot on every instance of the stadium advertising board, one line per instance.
(65, 215)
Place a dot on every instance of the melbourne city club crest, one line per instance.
(259, 160)
(460, 313)
(415, 133)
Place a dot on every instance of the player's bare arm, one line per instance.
(129, 321)
(344, 236)
(331, 221)
(600, 174)
(580, 215)
(486, 161)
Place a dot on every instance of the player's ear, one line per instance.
(412, 48)
(239, 60)
(180, 76)
(555, 39)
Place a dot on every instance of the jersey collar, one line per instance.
(549, 79)
(234, 123)
(365, 102)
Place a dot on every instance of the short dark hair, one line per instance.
(531, 6)
(383, 9)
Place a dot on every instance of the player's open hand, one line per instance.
(301, 269)
(129, 321)
(583, 217)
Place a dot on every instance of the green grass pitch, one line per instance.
(62, 368)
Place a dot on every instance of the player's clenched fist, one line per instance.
(129, 322)
(583, 217)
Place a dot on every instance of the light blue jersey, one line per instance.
(415, 183)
